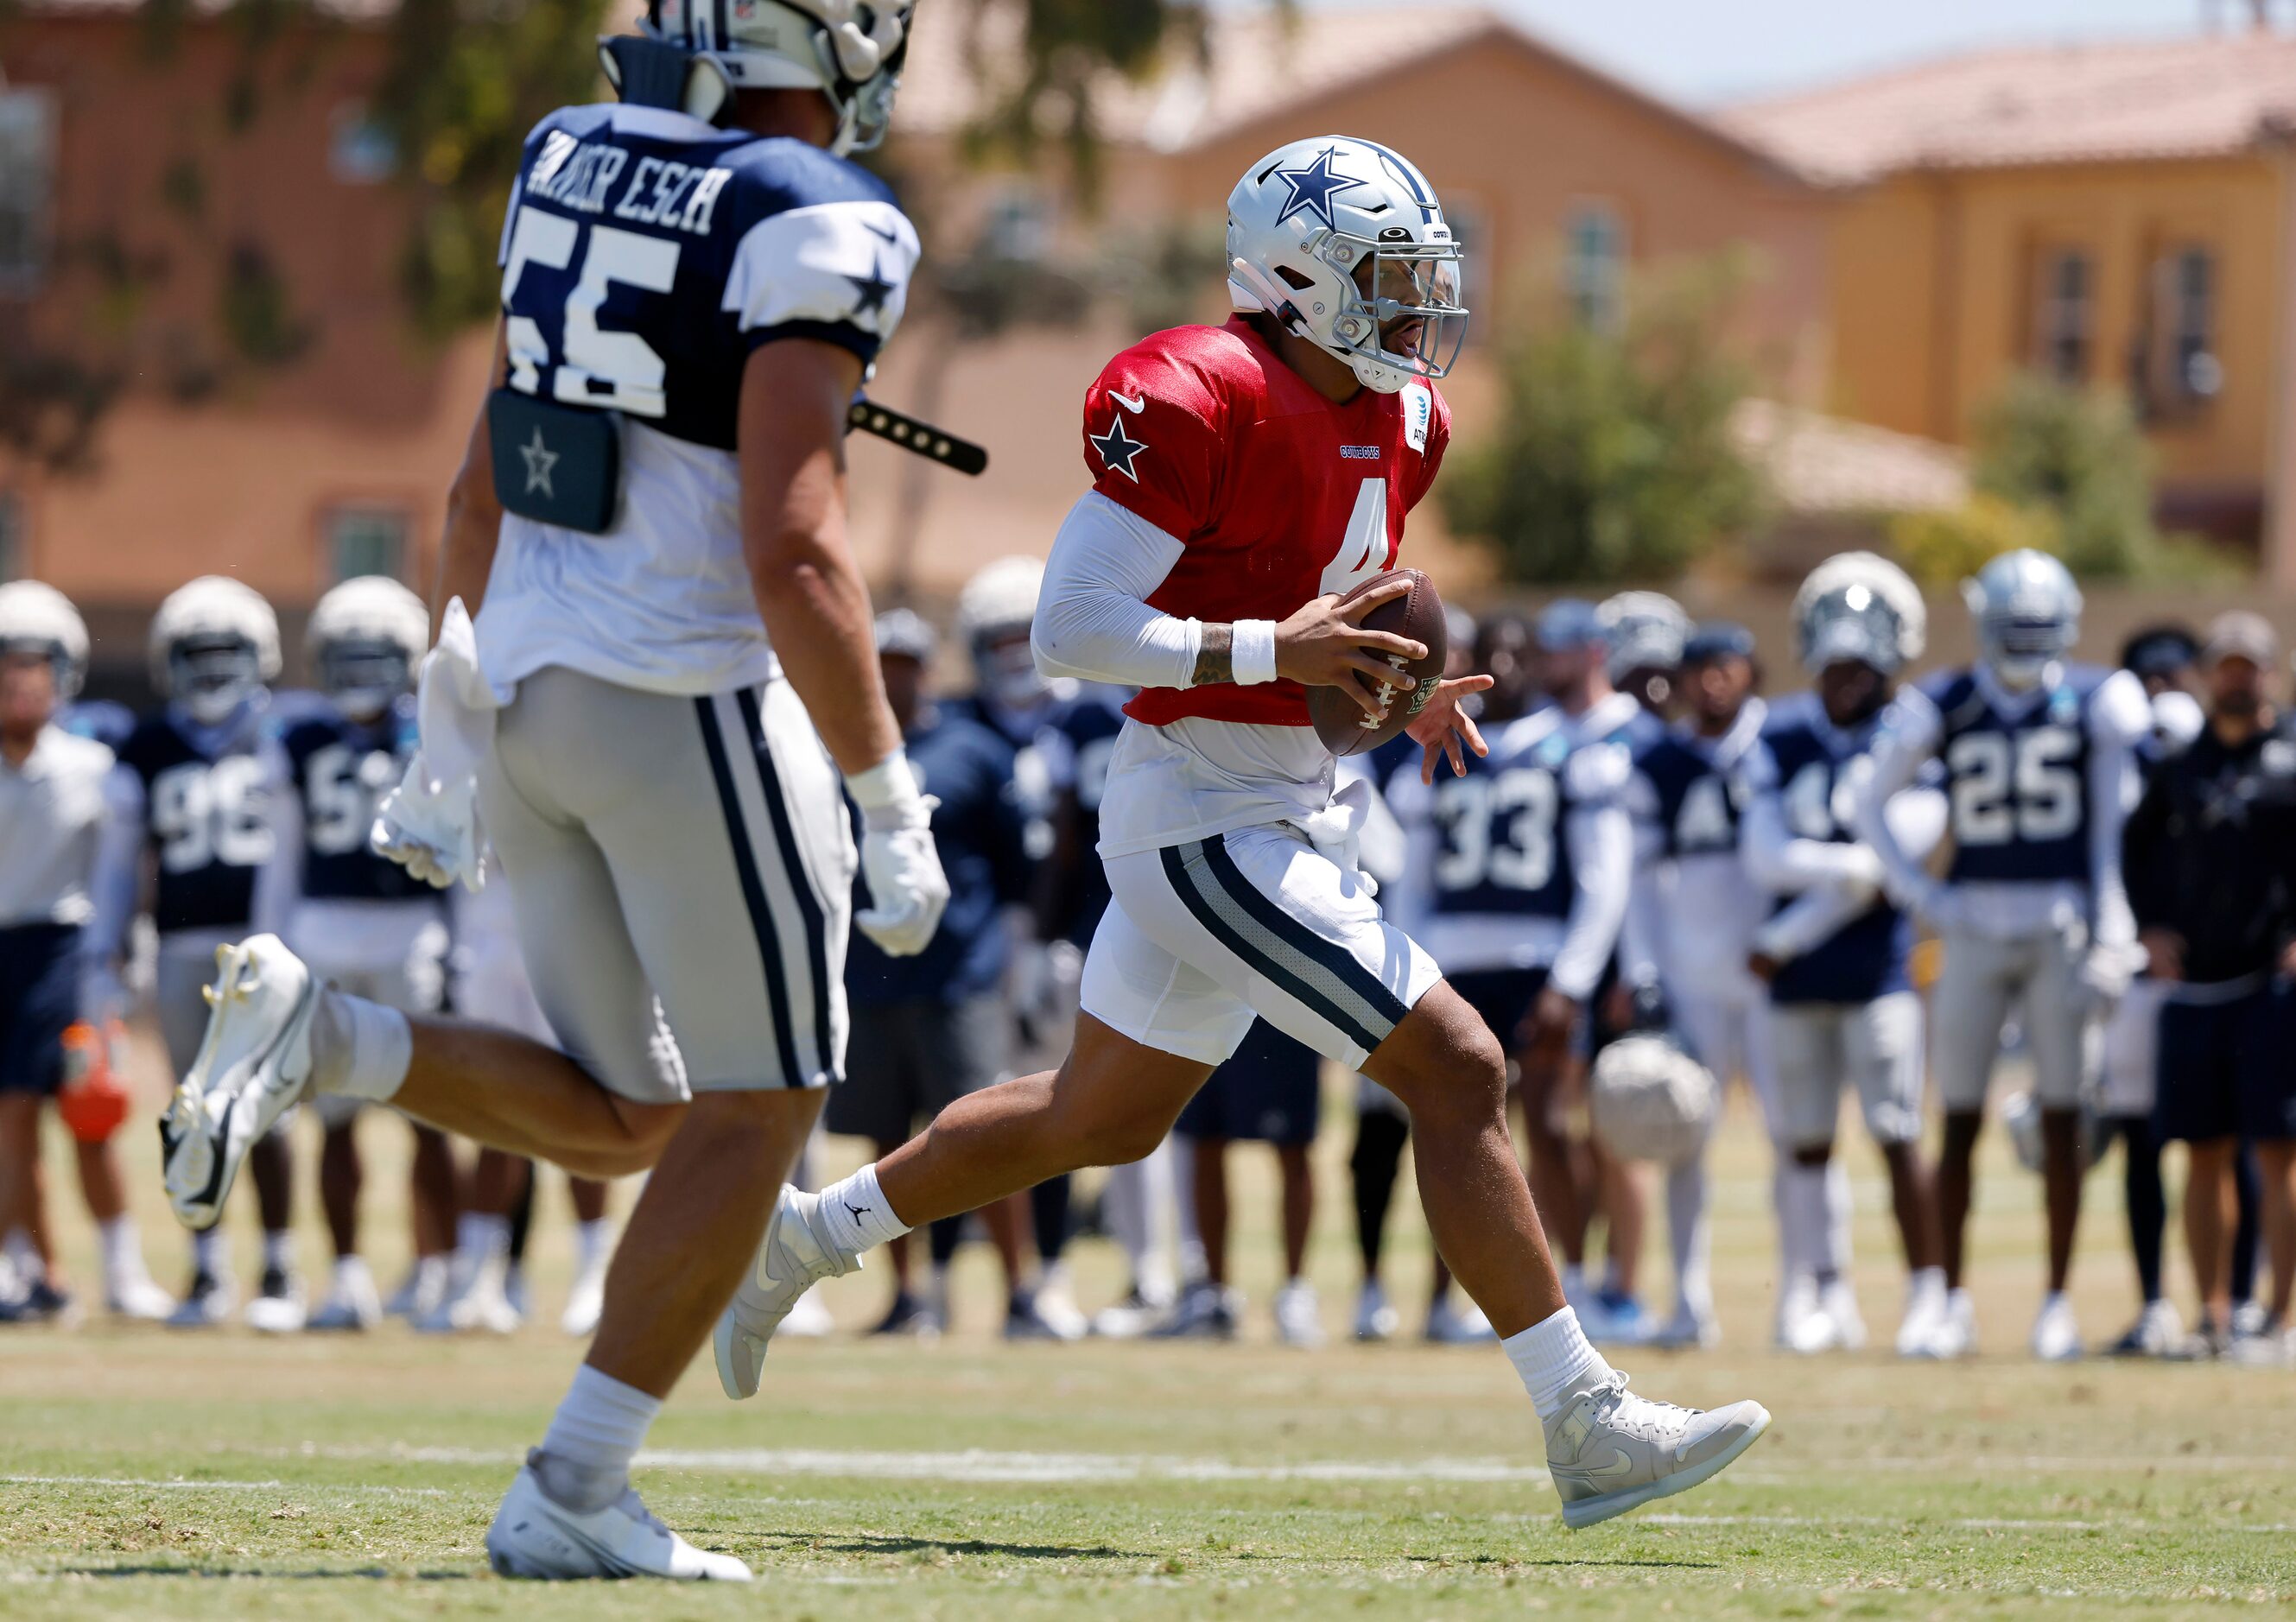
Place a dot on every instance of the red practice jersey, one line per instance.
(1278, 495)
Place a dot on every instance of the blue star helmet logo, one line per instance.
(1312, 188)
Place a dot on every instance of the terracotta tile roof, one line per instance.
(2182, 98)
(1819, 464)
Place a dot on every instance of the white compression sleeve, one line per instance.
(1093, 618)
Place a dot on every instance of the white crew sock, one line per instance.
(279, 1250)
(1555, 1360)
(359, 1049)
(857, 1214)
(592, 1241)
(208, 1255)
(597, 1430)
(123, 1250)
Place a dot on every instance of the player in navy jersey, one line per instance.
(1835, 952)
(361, 921)
(192, 782)
(2039, 754)
(669, 667)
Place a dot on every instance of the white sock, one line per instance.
(592, 1241)
(123, 1249)
(208, 1255)
(857, 1214)
(359, 1049)
(279, 1250)
(597, 1430)
(1555, 1360)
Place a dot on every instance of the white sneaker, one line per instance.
(1376, 1318)
(1610, 1451)
(1451, 1324)
(207, 1305)
(1130, 1318)
(533, 1536)
(278, 1308)
(585, 1300)
(1205, 1311)
(352, 1304)
(1840, 1302)
(2270, 1348)
(795, 1253)
(483, 1307)
(1956, 1335)
(254, 1061)
(1920, 1331)
(2056, 1333)
(809, 1319)
(2158, 1332)
(419, 1293)
(1804, 1326)
(1299, 1315)
(1055, 1304)
(138, 1297)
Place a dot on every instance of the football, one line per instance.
(1418, 613)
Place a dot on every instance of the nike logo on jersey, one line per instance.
(1118, 450)
(1135, 407)
(877, 230)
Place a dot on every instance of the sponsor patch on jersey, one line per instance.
(1418, 415)
(1359, 453)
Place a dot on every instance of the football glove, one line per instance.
(429, 824)
(897, 857)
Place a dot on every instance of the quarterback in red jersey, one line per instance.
(1244, 477)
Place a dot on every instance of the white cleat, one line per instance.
(1054, 1301)
(795, 1254)
(1376, 1318)
(483, 1307)
(535, 1536)
(2056, 1333)
(139, 1300)
(1450, 1324)
(2158, 1332)
(352, 1304)
(1921, 1333)
(278, 1309)
(207, 1305)
(253, 1063)
(1804, 1326)
(586, 1301)
(1840, 1302)
(419, 1293)
(1610, 1451)
(1299, 1315)
(1956, 1335)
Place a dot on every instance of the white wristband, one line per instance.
(1252, 652)
(889, 791)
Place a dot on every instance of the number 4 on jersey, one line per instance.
(1368, 548)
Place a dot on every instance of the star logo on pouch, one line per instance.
(1118, 449)
(539, 460)
(870, 291)
(1312, 188)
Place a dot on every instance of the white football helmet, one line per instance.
(994, 613)
(1343, 242)
(214, 642)
(1651, 1100)
(38, 618)
(364, 639)
(851, 50)
(2028, 612)
(1858, 606)
(1647, 631)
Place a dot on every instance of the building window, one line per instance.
(366, 541)
(11, 534)
(1594, 266)
(2184, 368)
(27, 164)
(360, 152)
(2064, 321)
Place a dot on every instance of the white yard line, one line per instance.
(186, 1486)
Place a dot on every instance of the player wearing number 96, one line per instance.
(1245, 476)
(2031, 910)
(651, 526)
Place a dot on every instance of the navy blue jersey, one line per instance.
(1697, 806)
(107, 722)
(204, 813)
(1079, 741)
(646, 255)
(2017, 784)
(980, 833)
(341, 769)
(1504, 848)
(1818, 769)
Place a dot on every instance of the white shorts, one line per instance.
(1256, 921)
(1979, 981)
(682, 869)
(489, 975)
(1730, 1035)
(1874, 1047)
(2132, 1049)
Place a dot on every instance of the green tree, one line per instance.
(2078, 456)
(1611, 458)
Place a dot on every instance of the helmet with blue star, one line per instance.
(1344, 242)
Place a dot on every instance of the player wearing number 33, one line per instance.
(2031, 912)
(1244, 476)
(651, 526)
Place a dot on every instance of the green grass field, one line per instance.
(152, 1474)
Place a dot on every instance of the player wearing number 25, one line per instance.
(2039, 757)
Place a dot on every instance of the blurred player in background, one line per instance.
(2039, 754)
(57, 1021)
(1014, 700)
(1647, 633)
(933, 1027)
(194, 793)
(1690, 929)
(362, 922)
(2162, 657)
(1843, 1012)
